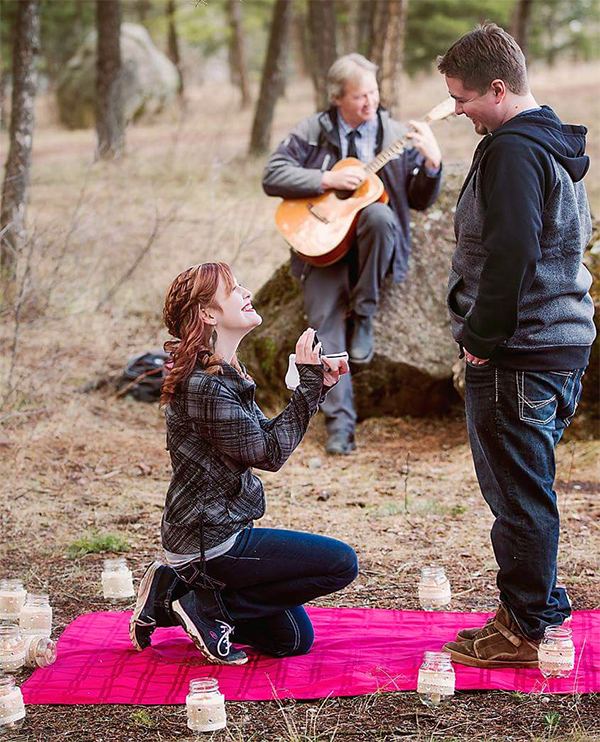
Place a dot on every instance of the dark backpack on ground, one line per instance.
(143, 376)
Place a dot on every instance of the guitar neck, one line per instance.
(390, 152)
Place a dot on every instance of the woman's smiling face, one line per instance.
(234, 311)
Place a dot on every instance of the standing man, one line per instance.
(354, 126)
(520, 309)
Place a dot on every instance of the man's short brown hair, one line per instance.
(485, 54)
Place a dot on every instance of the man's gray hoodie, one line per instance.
(518, 291)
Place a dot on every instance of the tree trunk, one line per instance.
(349, 28)
(522, 22)
(143, 6)
(365, 30)
(4, 82)
(273, 77)
(79, 20)
(237, 51)
(16, 179)
(388, 53)
(110, 120)
(551, 27)
(321, 30)
(300, 44)
(173, 43)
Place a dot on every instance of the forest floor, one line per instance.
(74, 464)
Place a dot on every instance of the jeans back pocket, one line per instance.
(538, 395)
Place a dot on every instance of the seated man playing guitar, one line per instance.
(354, 126)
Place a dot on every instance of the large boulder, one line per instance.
(150, 79)
(411, 372)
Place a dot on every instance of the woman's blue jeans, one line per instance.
(515, 419)
(262, 582)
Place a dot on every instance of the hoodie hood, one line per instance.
(565, 142)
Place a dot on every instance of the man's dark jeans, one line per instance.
(263, 581)
(515, 419)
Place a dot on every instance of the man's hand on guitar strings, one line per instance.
(425, 143)
(346, 179)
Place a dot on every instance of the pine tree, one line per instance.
(16, 179)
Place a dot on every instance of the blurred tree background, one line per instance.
(558, 29)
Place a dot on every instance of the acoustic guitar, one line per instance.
(321, 229)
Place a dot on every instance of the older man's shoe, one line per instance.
(499, 643)
(361, 345)
(340, 443)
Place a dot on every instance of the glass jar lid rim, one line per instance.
(438, 656)
(204, 684)
(558, 632)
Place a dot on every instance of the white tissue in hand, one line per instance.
(292, 377)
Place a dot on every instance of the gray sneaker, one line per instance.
(211, 637)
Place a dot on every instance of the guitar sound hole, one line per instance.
(343, 195)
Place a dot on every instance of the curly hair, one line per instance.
(193, 290)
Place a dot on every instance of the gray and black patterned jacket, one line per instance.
(216, 433)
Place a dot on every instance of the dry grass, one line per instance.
(76, 465)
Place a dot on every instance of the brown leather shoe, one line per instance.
(499, 643)
(469, 634)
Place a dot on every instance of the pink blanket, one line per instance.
(356, 651)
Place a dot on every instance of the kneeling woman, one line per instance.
(223, 574)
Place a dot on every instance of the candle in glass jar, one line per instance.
(205, 706)
(12, 598)
(436, 680)
(434, 589)
(556, 653)
(40, 651)
(12, 648)
(36, 615)
(12, 708)
(117, 580)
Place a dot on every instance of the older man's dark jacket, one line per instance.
(296, 168)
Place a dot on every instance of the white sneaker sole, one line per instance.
(194, 634)
(142, 597)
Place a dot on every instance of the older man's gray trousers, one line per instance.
(350, 284)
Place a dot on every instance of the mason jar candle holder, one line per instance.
(205, 706)
(117, 580)
(40, 651)
(435, 593)
(436, 680)
(12, 648)
(36, 615)
(556, 653)
(12, 598)
(12, 708)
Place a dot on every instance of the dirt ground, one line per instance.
(106, 471)
(77, 464)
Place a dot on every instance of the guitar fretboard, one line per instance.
(388, 154)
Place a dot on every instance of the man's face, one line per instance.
(481, 109)
(360, 100)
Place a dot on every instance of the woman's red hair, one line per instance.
(193, 290)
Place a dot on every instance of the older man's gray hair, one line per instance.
(349, 67)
